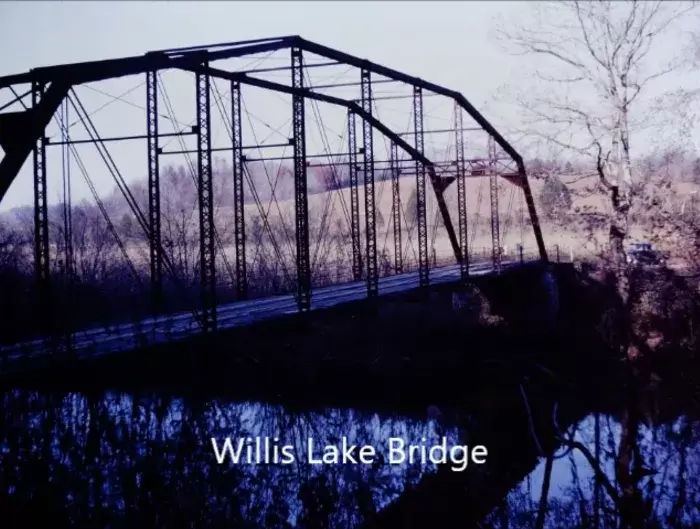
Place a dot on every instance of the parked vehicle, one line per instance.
(643, 254)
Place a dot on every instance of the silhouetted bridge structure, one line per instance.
(474, 150)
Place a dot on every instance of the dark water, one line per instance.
(671, 495)
(144, 459)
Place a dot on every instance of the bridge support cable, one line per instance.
(103, 210)
(219, 244)
(324, 238)
(207, 268)
(67, 199)
(381, 127)
(495, 221)
(41, 219)
(67, 309)
(273, 200)
(300, 188)
(368, 166)
(90, 128)
(419, 142)
(18, 98)
(154, 231)
(461, 192)
(238, 193)
(354, 199)
(508, 219)
(332, 54)
(253, 191)
(266, 224)
(102, 150)
(396, 207)
(61, 76)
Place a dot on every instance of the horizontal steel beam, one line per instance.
(244, 147)
(91, 71)
(17, 99)
(286, 68)
(119, 138)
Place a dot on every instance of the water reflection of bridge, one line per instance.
(126, 458)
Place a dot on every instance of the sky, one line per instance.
(450, 43)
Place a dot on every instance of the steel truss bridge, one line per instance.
(475, 150)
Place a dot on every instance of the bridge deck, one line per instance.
(173, 327)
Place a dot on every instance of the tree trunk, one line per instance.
(620, 187)
(631, 506)
(621, 198)
(542, 510)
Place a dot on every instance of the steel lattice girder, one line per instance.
(354, 199)
(495, 221)
(207, 268)
(71, 74)
(421, 220)
(396, 208)
(368, 165)
(238, 194)
(41, 218)
(461, 192)
(300, 190)
(154, 238)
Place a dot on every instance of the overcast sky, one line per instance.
(439, 41)
(451, 43)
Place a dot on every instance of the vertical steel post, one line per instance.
(370, 218)
(238, 196)
(207, 263)
(300, 188)
(423, 264)
(461, 193)
(396, 208)
(354, 199)
(495, 221)
(154, 190)
(41, 220)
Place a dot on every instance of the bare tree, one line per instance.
(596, 62)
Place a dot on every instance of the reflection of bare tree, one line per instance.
(146, 460)
(632, 470)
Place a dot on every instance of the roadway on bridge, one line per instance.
(169, 328)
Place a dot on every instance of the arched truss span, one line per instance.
(21, 132)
